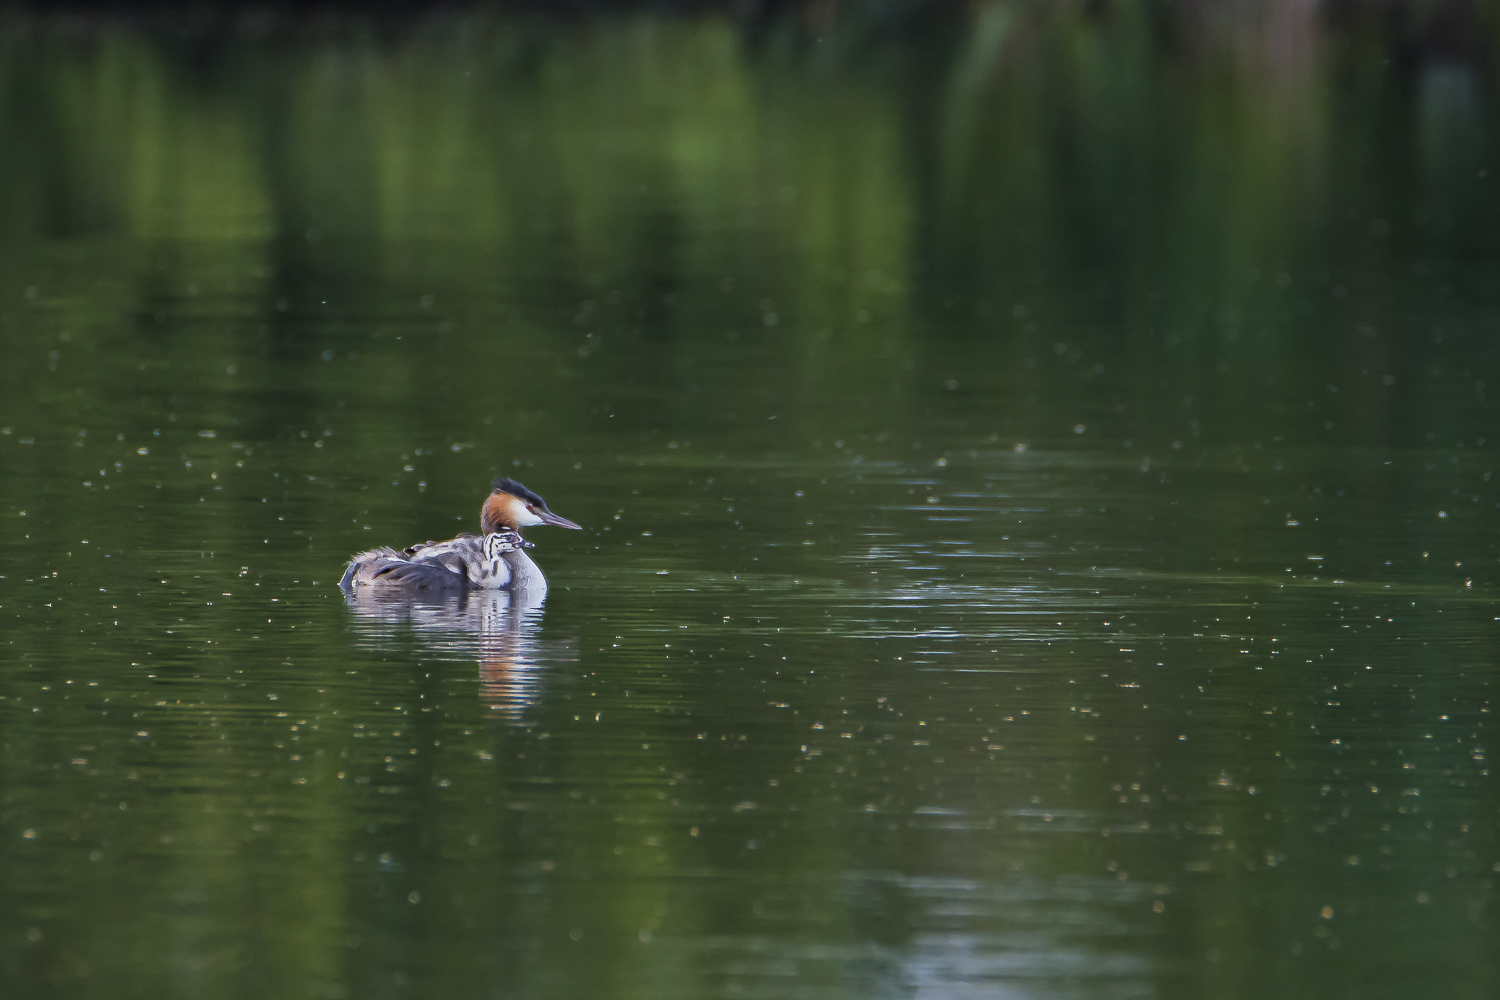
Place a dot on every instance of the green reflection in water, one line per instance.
(1040, 518)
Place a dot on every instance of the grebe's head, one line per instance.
(497, 543)
(513, 506)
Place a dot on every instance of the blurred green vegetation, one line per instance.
(1228, 197)
(267, 286)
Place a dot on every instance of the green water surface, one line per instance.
(1036, 469)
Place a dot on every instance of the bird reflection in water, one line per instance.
(500, 627)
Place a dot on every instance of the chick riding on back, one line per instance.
(493, 560)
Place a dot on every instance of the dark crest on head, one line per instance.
(515, 489)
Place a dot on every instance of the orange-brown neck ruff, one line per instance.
(499, 510)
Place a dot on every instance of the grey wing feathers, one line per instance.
(420, 575)
(464, 544)
(386, 567)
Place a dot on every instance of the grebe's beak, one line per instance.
(550, 518)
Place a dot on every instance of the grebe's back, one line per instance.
(463, 563)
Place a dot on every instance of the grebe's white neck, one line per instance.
(525, 575)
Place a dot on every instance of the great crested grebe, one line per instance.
(492, 560)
